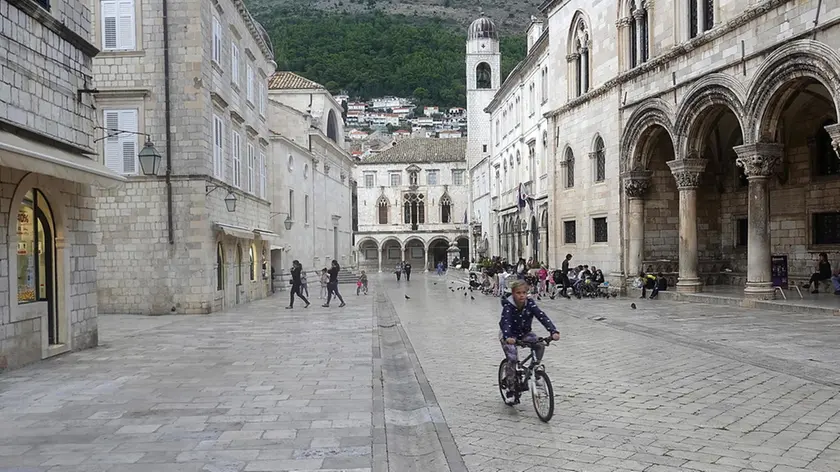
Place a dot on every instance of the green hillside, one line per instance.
(373, 53)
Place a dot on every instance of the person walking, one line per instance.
(398, 270)
(407, 270)
(304, 285)
(332, 285)
(296, 284)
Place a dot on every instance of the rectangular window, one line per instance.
(570, 232)
(483, 148)
(263, 174)
(741, 229)
(234, 64)
(118, 32)
(218, 147)
(396, 180)
(262, 98)
(237, 160)
(826, 228)
(291, 204)
(457, 177)
(217, 41)
(250, 168)
(121, 148)
(432, 177)
(45, 4)
(599, 230)
(306, 209)
(370, 180)
(249, 86)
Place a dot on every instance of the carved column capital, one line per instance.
(636, 183)
(572, 57)
(687, 172)
(834, 132)
(639, 14)
(624, 22)
(759, 160)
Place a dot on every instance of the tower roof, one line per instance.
(483, 28)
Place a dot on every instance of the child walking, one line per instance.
(325, 277)
(362, 284)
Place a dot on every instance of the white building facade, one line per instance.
(194, 81)
(716, 123)
(413, 204)
(483, 69)
(520, 156)
(49, 176)
(312, 175)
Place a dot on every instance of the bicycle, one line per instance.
(530, 377)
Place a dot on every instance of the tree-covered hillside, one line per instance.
(369, 54)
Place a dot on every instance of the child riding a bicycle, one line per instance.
(518, 311)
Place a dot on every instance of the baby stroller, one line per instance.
(533, 281)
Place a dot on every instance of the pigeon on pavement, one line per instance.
(407, 297)
(633, 306)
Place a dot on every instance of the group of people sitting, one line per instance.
(583, 280)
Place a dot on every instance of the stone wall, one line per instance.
(23, 328)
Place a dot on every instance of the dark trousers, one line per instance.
(296, 291)
(399, 274)
(407, 275)
(816, 277)
(654, 290)
(332, 289)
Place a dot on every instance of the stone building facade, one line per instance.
(520, 155)
(719, 124)
(413, 204)
(48, 302)
(195, 84)
(311, 174)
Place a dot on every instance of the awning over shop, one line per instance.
(235, 231)
(272, 238)
(31, 156)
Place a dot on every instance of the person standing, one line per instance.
(332, 285)
(407, 269)
(296, 284)
(324, 279)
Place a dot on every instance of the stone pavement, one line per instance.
(667, 387)
(255, 389)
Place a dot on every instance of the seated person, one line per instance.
(823, 273)
(835, 281)
(649, 282)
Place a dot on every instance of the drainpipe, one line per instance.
(167, 121)
(817, 19)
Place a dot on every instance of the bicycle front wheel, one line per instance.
(543, 396)
(503, 389)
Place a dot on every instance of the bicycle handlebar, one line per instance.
(546, 341)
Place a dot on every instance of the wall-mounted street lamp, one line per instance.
(149, 157)
(287, 223)
(230, 199)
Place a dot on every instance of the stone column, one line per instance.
(636, 184)
(687, 173)
(638, 17)
(834, 132)
(584, 70)
(758, 161)
(380, 258)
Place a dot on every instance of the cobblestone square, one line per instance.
(399, 384)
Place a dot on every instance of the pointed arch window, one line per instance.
(600, 157)
(570, 168)
(414, 208)
(637, 28)
(701, 16)
(445, 209)
(382, 207)
(579, 41)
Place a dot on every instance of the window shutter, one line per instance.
(128, 141)
(113, 149)
(236, 160)
(263, 175)
(217, 40)
(109, 24)
(234, 63)
(126, 36)
(250, 84)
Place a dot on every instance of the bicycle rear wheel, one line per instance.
(503, 389)
(543, 396)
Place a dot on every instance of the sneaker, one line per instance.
(289, 307)
(307, 305)
(326, 305)
(342, 305)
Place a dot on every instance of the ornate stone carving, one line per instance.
(687, 172)
(834, 132)
(636, 183)
(326, 168)
(572, 57)
(758, 160)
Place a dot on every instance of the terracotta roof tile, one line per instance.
(422, 150)
(290, 81)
